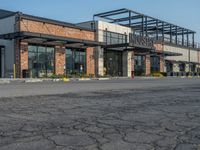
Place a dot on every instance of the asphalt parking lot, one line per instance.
(141, 114)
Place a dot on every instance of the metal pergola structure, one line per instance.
(145, 25)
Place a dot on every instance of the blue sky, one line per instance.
(184, 13)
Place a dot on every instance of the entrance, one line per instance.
(113, 63)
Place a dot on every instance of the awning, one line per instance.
(182, 62)
(172, 61)
(128, 46)
(190, 63)
(45, 38)
(165, 53)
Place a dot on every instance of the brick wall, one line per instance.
(147, 65)
(160, 47)
(162, 64)
(21, 57)
(56, 30)
(90, 61)
(59, 60)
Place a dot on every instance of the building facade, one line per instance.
(150, 46)
(109, 45)
(42, 47)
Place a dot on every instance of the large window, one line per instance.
(75, 61)
(139, 65)
(113, 38)
(41, 61)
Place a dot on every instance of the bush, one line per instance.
(158, 74)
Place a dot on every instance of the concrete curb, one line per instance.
(4, 81)
(7, 81)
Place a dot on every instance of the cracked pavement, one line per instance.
(157, 118)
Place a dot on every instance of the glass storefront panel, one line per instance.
(113, 63)
(182, 67)
(155, 64)
(50, 61)
(41, 61)
(75, 61)
(139, 65)
(169, 67)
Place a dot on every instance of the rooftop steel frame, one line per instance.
(148, 26)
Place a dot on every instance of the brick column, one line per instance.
(147, 65)
(21, 57)
(90, 56)
(59, 60)
(24, 56)
(162, 64)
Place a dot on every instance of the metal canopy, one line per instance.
(149, 26)
(45, 38)
(165, 53)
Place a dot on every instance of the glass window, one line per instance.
(155, 64)
(75, 61)
(41, 61)
(113, 63)
(113, 38)
(139, 65)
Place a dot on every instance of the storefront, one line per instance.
(113, 63)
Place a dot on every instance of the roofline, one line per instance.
(12, 13)
(43, 19)
(51, 21)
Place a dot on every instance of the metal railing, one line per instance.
(141, 40)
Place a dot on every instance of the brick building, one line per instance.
(43, 47)
(116, 43)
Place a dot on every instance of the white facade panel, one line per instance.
(7, 25)
(101, 26)
(183, 51)
(193, 56)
